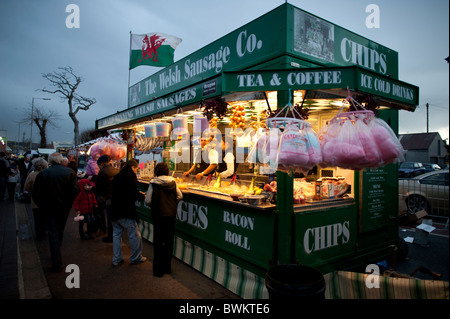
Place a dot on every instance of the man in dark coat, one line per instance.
(4, 171)
(124, 215)
(103, 190)
(54, 191)
(24, 168)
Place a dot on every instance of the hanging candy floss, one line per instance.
(180, 124)
(150, 130)
(162, 129)
(358, 140)
(343, 150)
(372, 153)
(299, 148)
(115, 150)
(388, 144)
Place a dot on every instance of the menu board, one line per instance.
(378, 196)
(375, 187)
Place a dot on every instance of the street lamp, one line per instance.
(32, 113)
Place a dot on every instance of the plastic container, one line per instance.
(200, 124)
(162, 129)
(255, 199)
(180, 123)
(150, 130)
(292, 281)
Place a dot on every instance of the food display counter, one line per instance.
(321, 213)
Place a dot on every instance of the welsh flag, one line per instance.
(154, 49)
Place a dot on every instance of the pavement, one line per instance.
(428, 251)
(25, 266)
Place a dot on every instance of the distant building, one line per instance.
(424, 148)
(62, 147)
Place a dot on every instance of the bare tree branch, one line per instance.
(42, 118)
(65, 83)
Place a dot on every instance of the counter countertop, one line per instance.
(308, 206)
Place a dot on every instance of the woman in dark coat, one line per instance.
(162, 196)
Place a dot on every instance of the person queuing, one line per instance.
(39, 164)
(162, 196)
(13, 179)
(103, 189)
(72, 163)
(92, 166)
(4, 171)
(84, 205)
(25, 166)
(54, 191)
(124, 215)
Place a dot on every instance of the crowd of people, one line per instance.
(102, 201)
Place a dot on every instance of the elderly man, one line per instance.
(54, 191)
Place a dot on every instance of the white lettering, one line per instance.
(192, 214)
(250, 80)
(235, 219)
(308, 78)
(237, 239)
(361, 55)
(246, 44)
(402, 92)
(169, 78)
(196, 309)
(214, 61)
(327, 236)
(150, 87)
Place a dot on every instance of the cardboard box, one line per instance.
(413, 219)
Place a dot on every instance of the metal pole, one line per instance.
(428, 119)
(31, 126)
(129, 66)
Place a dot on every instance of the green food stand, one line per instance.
(267, 62)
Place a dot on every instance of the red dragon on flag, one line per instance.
(150, 47)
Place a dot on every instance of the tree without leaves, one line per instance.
(66, 83)
(92, 134)
(42, 118)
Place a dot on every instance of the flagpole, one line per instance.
(129, 66)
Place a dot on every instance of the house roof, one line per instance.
(417, 141)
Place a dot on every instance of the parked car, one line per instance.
(410, 169)
(428, 191)
(431, 167)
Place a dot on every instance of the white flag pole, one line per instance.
(129, 65)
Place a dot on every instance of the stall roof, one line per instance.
(390, 92)
(336, 81)
(285, 38)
